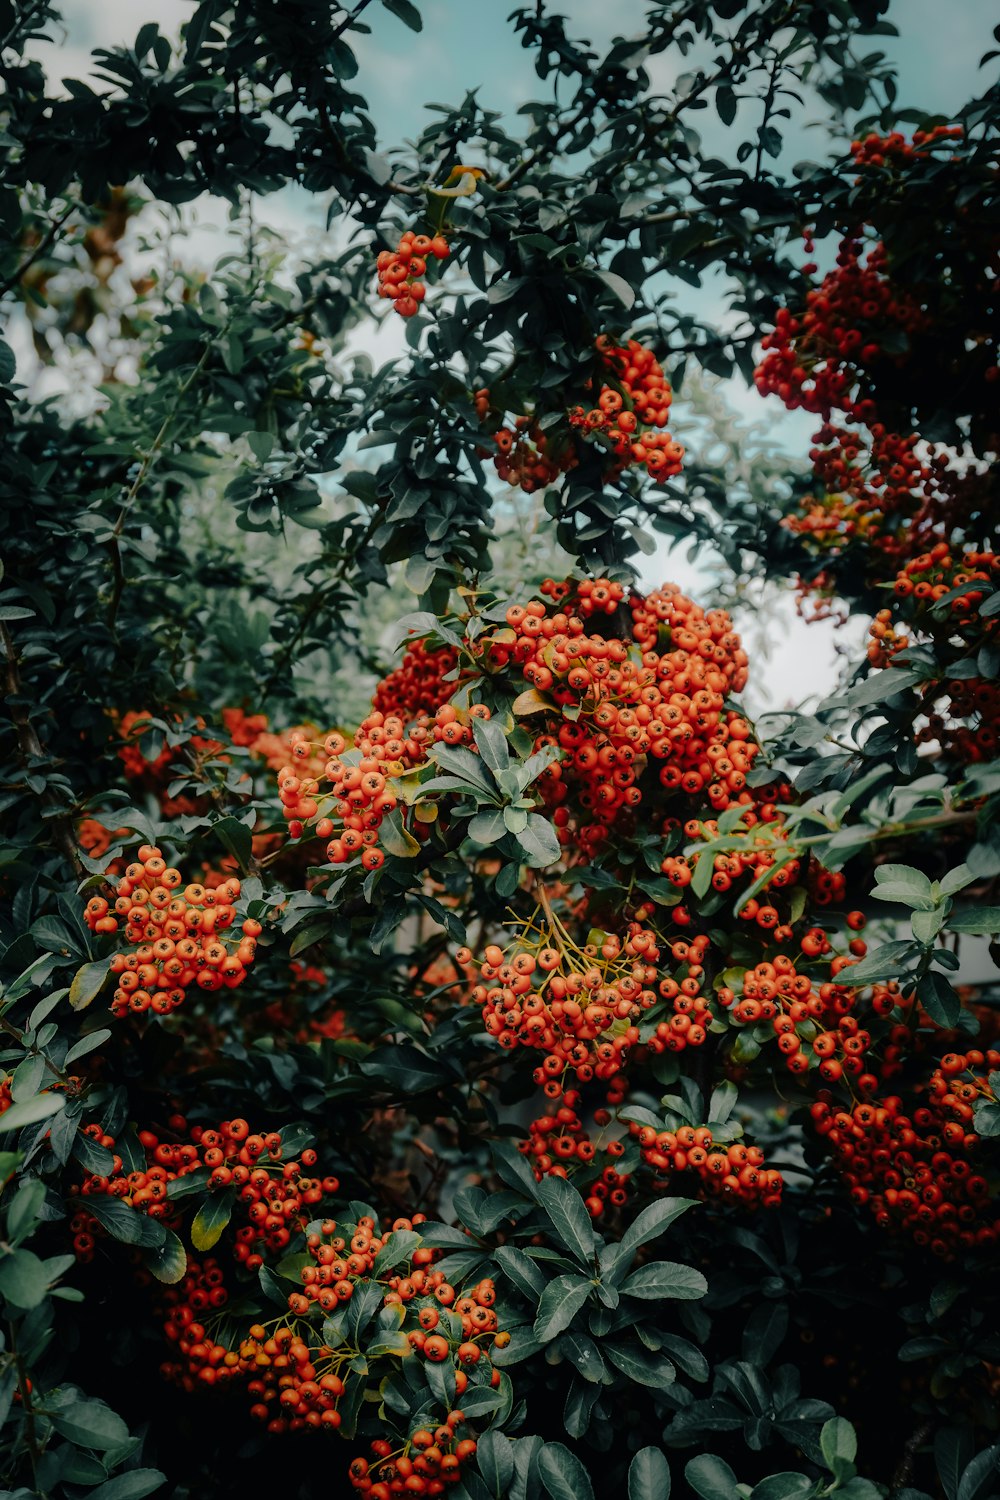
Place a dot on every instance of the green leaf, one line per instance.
(646, 1226)
(132, 1485)
(404, 1068)
(519, 1268)
(956, 880)
(237, 838)
(640, 1365)
(838, 1440)
(495, 1461)
(126, 1224)
(979, 1481)
(212, 1218)
(881, 686)
(925, 925)
(87, 982)
(399, 1247)
(903, 875)
(27, 1079)
(562, 1473)
(560, 1302)
(407, 13)
(939, 999)
(167, 1262)
(492, 743)
(488, 826)
(620, 287)
(905, 895)
(649, 1476)
(87, 1044)
(981, 920)
(568, 1217)
(91, 1424)
(539, 842)
(463, 764)
(665, 1278)
(888, 961)
(190, 1183)
(24, 1279)
(22, 1215)
(952, 1452)
(515, 819)
(786, 1486)
(395, 839)
(711, 1478)
(31, 1111)
(987, 1118)
(45, 1008)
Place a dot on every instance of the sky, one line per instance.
(469, 44)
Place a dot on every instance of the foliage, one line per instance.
(433, 1013)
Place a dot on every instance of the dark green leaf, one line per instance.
(649, 1476)
(563, 1475)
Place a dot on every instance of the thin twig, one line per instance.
(149, 459)
(350, 19)
(549, 149)
(15, 278)
(31, 1432)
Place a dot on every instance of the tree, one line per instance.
(435, 1014)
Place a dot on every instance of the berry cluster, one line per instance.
(624, 419)
(814, 1023)
(558, 1145)
(191, 1309)
(175, 935)
(860, 346)
(526, 458)
(418, 685)
(669, 705)
(912, 1166)
(608, 698)
(895, 150)
(438, 1462)
(855, 319)
(275, 1195)
(752, 857)
(578, 1006)
(360, 796)
(423, 1314)
(727, 1171)
(684, 993)
(400, 270)
(627, 414)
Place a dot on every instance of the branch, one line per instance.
(145, 467)
(31, 1432)
(548, 149)
(15, 278)
(772, 83)
(904, 1469)
(350, 19)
